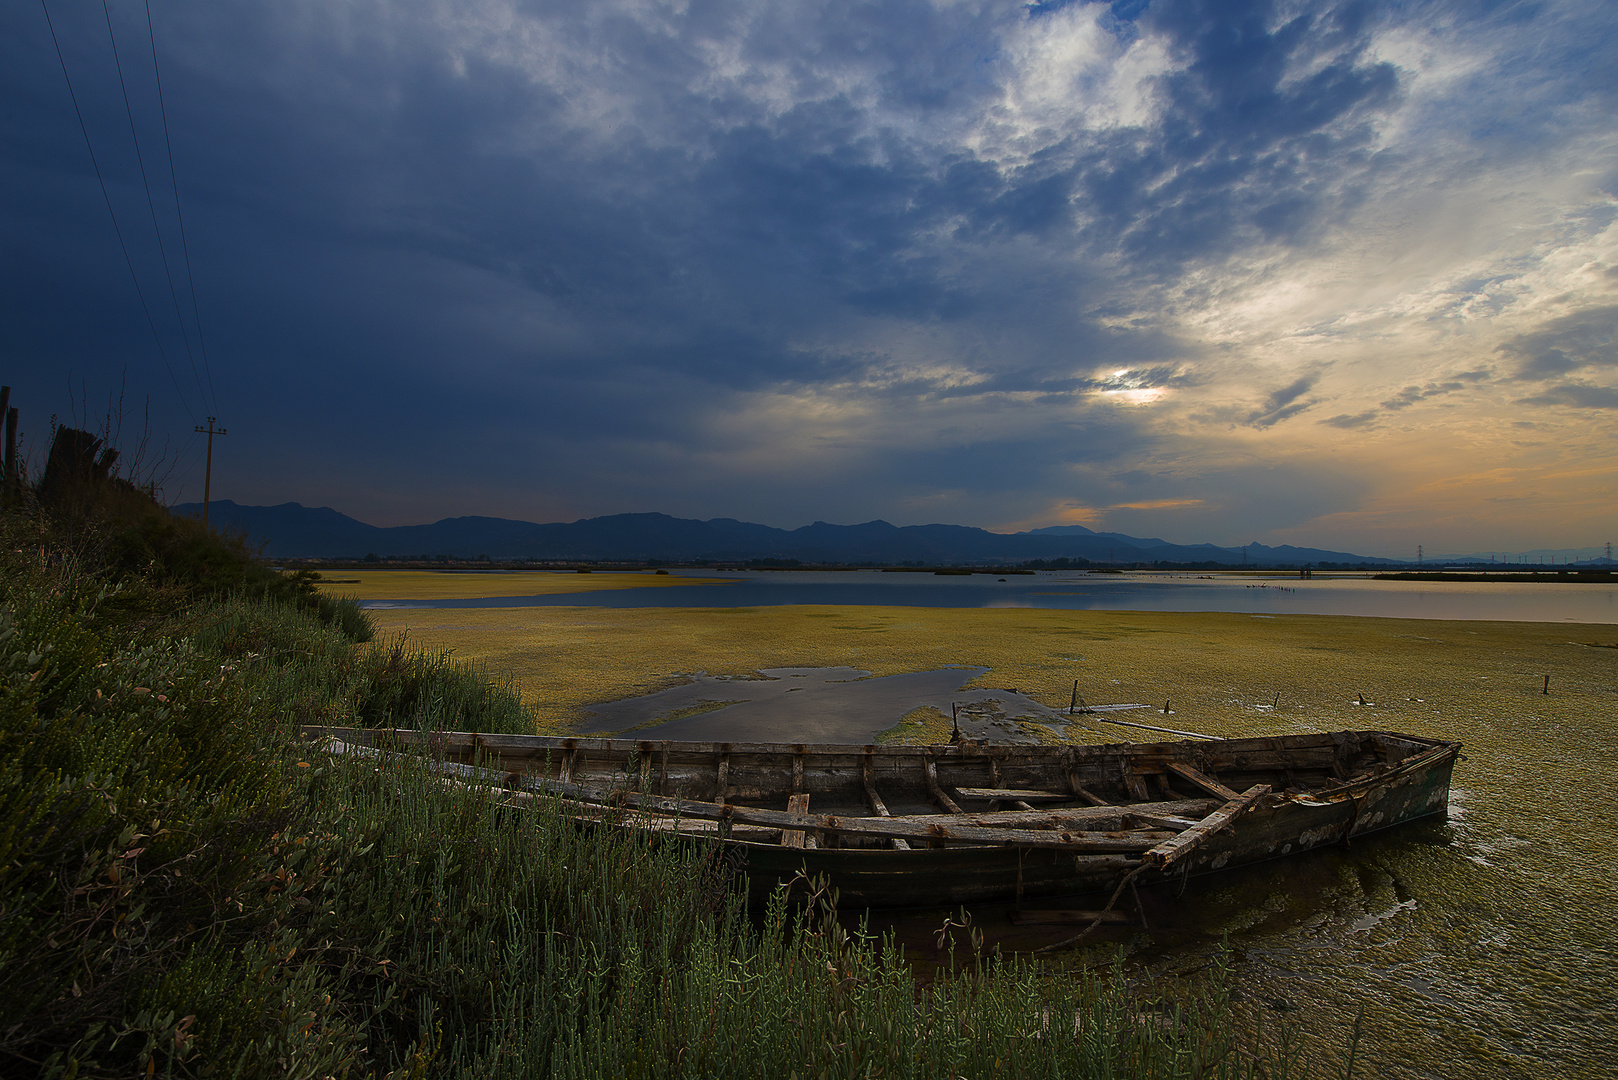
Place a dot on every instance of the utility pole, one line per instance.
(8, 417)
(207, 476)
(1418, 555)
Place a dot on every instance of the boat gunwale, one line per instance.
(505, 745)
(1431, 753)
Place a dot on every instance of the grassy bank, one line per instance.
(186, 889)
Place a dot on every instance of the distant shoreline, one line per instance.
(1579, 575)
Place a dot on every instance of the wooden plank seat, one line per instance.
(1206, 783)
(1013, 793)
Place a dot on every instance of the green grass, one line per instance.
(189, 890)
(308, 671)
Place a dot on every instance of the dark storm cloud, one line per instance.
(1576, 395)
(1283, 403)
(1410, 395)
(1238, 154)
(1405, 398)
(596, 242)
(1578, 341)
(1349, 421)
(1242, 144)
(762, 204)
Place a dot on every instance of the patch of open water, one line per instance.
(1067, 590)
(839, 704)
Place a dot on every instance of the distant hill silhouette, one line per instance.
(292, 530)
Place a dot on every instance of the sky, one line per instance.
(1331, 274)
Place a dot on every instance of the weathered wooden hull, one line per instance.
(912, 826)
(1280, 826)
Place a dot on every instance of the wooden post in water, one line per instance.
(1547, 687)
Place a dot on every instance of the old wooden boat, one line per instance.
(968, 821)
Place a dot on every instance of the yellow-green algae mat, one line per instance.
(407, 585)
(1483, 947)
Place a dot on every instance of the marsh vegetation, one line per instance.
(189, 889)
(1476, 946)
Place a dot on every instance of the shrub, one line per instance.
(135, 798)
(189, 889)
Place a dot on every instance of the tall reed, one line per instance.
(188, 889)
(308, 671)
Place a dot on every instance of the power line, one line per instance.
(174, 182)
(151, 205)
(133, 277)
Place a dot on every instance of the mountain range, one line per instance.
(292, 530)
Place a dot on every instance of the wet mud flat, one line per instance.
(1455, 981)
(828, 705)
(1336, 898)
(1479, 947)
(1280, 927)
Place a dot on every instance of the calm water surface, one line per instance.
(1323, 595)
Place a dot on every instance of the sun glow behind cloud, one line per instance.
(1125, 386)
(1140, 396)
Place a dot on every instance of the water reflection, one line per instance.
(1462, 973)
(1138, 591)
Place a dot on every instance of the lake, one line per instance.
(1347, 594)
